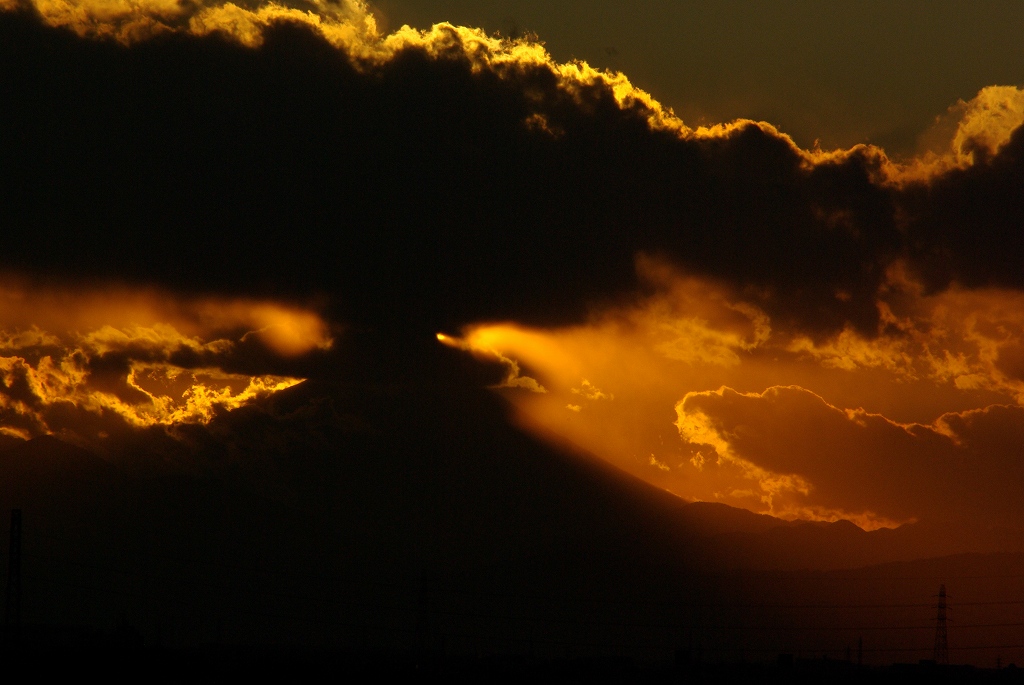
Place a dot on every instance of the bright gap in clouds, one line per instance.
(699, 392)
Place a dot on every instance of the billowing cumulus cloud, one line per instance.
(972, 131)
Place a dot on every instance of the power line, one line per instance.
(561, 601)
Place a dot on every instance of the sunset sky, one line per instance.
(764, 254)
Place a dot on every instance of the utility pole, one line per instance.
(12, 610)
(941, 642)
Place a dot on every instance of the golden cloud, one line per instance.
(969, 132)
(479, 343)
(714, 401)
(130, 21)
(144, 358)
(862, 466)
(971, 338)
(786, 441)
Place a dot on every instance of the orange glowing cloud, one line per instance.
(810, 459)
(970, 339)
(160, 317)
(130, 21)
(973, 130)
(143, 358)
(696, 390)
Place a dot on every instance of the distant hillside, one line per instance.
(396, 506)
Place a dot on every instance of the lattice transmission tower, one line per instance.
(941, 641)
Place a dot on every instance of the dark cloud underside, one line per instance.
(416, 187)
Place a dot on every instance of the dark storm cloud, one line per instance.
(967, 224)
(414, 186)
(432, 187)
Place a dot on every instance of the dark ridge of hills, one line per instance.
(57, 482)
(49, 459)
(803, 545)
(358, 512)
(715, 518)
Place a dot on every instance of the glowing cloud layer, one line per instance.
(130, 21)
(699, 392)
(137, 358)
